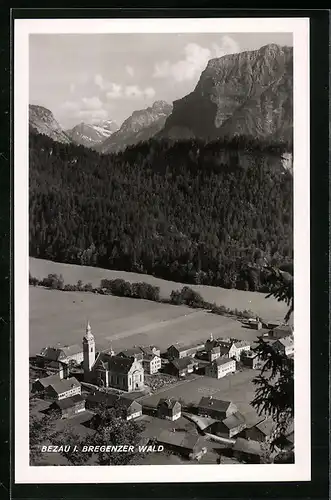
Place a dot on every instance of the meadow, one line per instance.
(269, 309)
(60, 317)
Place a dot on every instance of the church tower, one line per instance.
(88, 349)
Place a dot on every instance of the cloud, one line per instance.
(115, 91)
(71, 106)
(93, 115)
(129, 70)
(149, 92)
(99, 81)
(91, 103)
(195, 60)
(72, 88)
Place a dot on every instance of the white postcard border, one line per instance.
(300, 470)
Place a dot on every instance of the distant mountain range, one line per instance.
(244, 94)
(140, 126)
(92, 135)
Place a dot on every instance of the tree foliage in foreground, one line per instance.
(274, 394)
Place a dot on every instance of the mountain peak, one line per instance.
(42, 121)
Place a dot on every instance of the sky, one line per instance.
(93, 77)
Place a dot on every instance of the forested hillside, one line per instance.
(182, 211)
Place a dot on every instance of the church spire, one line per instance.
(211, 337)
(88, 327)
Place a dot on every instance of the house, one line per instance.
(213, 353)
(181, 367)
(247, 450)
(149, 350)
(285, 345)
(230, 426)
(40, 384)
(261, 432)
(169, 409)
(187, 444)
(134, 352)
(131, 409)
(177, 351)
(254, 323)
(151, 363)
(106, 369)
(66, 354)
(237, 347)
(220, 367)
(61, 389)
(251, 359)
(58, 368)
(280, 331)
(69, 407)
(216, 408)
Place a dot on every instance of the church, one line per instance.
(106, 369)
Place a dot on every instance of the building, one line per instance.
(187, 444)
(237, 348)
(109, 370)
(58, 368)
(65, 354)
(180, 367)
(69, 407)
(261, 432)
(61, 389)
(151, 363)
(247, 451)
(131, 409)
(216, 408)
(280, 331)
(177, 351)
(169, 409)
(134, 352)
(251, 359)
(254, 323)
(40, 384)
(213, 353)
(220, 367)
(231, 425)
(149, 350)
(285, 345)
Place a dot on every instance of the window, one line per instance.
(91, 350)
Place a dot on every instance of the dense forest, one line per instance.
(182, 211)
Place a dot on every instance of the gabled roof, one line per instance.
(183, 347)
(46, 381)
(110, 399)
(116, 364)
(64, 385)
(213, 403)
(183, 363)
(234, 420)
(241, 343)
(287, 341)
(185, 440)
(248, 446)
(222, 361)
(51, 353)
(168, 402)
(128, 353)
(266, 427)
(215, 349)
(68, 402)
(283, 329)
(148, 350)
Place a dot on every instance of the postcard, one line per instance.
(161, 218)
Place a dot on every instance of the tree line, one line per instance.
(181, 211)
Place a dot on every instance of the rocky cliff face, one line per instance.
(249, 93)
(140, 126)
(92, 135)
(42, 121)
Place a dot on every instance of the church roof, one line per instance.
(116, 364)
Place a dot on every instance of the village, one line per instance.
(194, 400)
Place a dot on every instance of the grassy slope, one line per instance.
(268, 309)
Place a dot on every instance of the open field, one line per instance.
(269, 309)
(60, 317)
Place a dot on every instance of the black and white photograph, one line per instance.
(161, 236)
